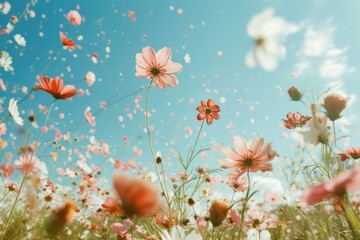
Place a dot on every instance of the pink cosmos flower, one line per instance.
(54, 86)
(7, 169)
(157, 67)
(353, 153)
(251, 156)
(346, 182)
(111, 207)
(209, 111)
(27, 163)
(74, 17)
(236, 181)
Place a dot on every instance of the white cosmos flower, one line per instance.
(20, 40)
(14, 112)
(269, 32)
(5, 7)
(314, 132)
(253, 234)
(6, 61)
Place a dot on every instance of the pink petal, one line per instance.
(173, 67)
(163, 56)
(149, 56)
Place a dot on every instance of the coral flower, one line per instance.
(218, 212)
(157, 67)
(295, 120)
(354, 153)
(251, 156)
(334, 104)
(209, 111)
(137, 196)
(7, 169)
(68, 43)
(111, 207)
(74, 17)
(55, 87)
(344, 183)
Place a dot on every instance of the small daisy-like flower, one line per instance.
(295, 120)
(157, 67)
(14, 112)
(209, 111)
(27, 163)
(74, 17)
(111, 207)
(20, 40)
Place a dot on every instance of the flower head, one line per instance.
(353, 153)
(7, 169)
(14, 112)
(334, 104)
(346, 182)
(68, 43)
(27, 163)
(268, 31)
(137, 196)
(6, 61)
(55, 87)
(295, 120)
(74, 17)
(237, 181)
(62, 216)
(111, 207)
(157, 67)
(315, 130)
(251, 156)
(218, 212)
(209, 111)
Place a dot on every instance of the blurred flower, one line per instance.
(294, 94)
(250, 156)
(353, 153)
(268, 31)
(27, 163)
(90, 78)
(315, 131)
(9, 28)
(218, 212)
(236, 181)
(2, 129)
(14, 112)
(253, 234)
(258, 219)
(334, 104)
(6, 61)
(55, 87)
(208, 111)
(157, 67)
(5, 7)
(20, 40)
(68, 43)
(295, 120)
(346, 182)
(7, 169)
(122, 229)
(62, 216)
(89, 117)
(111, 207)
(74, 17)
(137, 196)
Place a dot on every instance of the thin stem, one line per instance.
(244, 207)
(26, 172)
(162, 184)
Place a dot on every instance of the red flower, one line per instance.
(68, 43)
(354, 153)
(208, 111)
(295, 120)
(55, 87)
(111, 207)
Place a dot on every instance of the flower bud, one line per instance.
(334, 104)
(218, 212)
(294, 93)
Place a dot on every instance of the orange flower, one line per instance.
(354, 153)
(218, 212)
(334, 104)
(208, 111)
(111, 207)
(137, 196)
(68, 43)
(55, 87)
(61, 217)
(295, 120)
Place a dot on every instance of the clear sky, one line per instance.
(322, 52)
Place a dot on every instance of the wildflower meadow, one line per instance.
(179, 120)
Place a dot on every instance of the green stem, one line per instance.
(26, 172)
(244, 207)
(163, 185)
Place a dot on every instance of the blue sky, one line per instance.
(323, 52)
